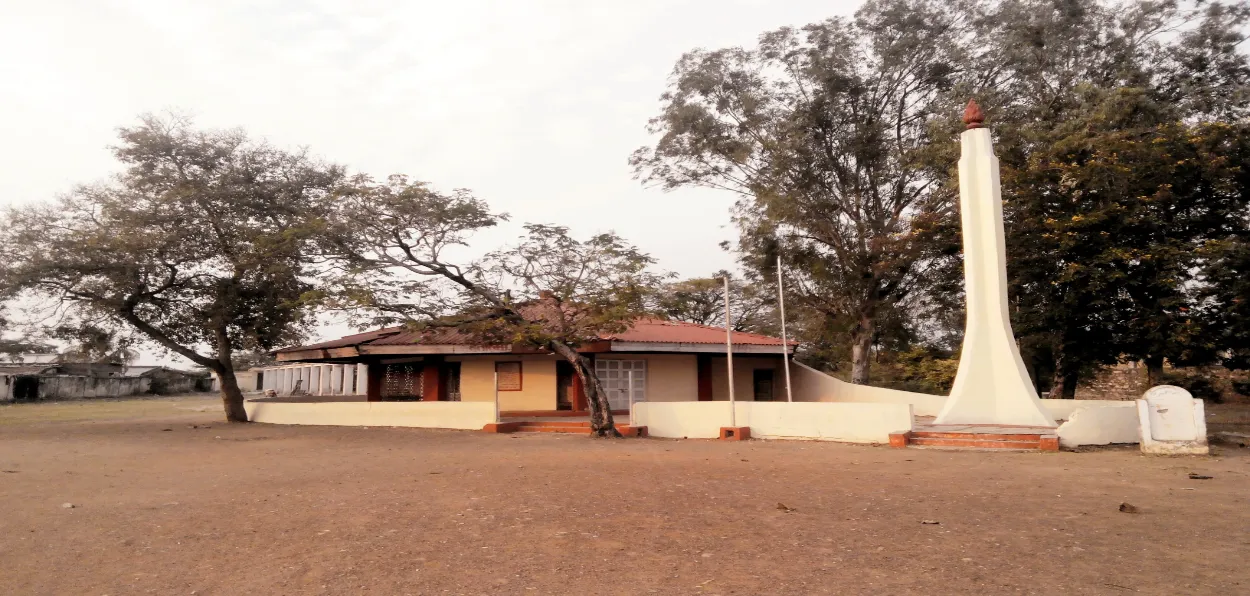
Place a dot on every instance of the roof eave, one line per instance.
(694, 348)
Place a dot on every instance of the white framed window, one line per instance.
(618, 376)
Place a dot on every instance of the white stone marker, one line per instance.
(1172, 422)
(992, 385)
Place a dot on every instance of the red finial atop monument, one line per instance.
(973, 116)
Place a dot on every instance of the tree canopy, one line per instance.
(823, 132)
(701, 300)
(1118, 125)
(201, 244)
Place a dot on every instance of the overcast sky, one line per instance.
(535, 105)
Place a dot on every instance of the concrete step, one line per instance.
(931, 434)
(972, 441)
(572, 428)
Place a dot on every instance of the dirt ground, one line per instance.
(168, 500)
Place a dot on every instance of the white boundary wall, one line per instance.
(435, 414)
(1088, 421)
(849, 422)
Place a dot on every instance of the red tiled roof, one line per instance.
(678, 332)
(645, 330)
(439, 336)
(367, 337)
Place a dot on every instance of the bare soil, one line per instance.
(168, 500)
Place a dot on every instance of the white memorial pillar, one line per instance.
(992, 386)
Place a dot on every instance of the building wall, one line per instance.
(245, 378)
(419, 414)
(850, 422)
(744, 367)
(670, 377)
(538, 381)
(75, 387)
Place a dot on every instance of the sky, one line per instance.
(534, 105)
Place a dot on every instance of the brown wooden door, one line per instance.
(565, 378)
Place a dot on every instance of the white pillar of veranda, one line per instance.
(362, 379)
(349, 379)
(991, 386)
(336, 379)
(314, 383)
(327, 380)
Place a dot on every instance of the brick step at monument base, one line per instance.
(569, 427)
(978, 437)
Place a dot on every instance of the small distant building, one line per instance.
(249, 380)
(170, 381)
(26, 382)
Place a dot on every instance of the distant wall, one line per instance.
(245, 378)
(1119, 383)
(79, 387)
(467, 415)
(848, 422)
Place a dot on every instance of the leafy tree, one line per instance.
(95, 343)
(550, 291)
(1118, 166)
(1227, 316)
(200, 245)
(701, 300)
(11, 349)
(825, 132)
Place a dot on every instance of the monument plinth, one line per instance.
(992, 386)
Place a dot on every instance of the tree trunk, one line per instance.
(1154, 371)
(231, 396)
(1064, 384)
(1070, 379)
(601, 422)
(861, 349)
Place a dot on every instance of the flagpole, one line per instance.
(729, 358)
(785, 345)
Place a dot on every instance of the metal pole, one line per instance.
(785, 345)
(729, 358)
(629, 383)
(497, 421)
